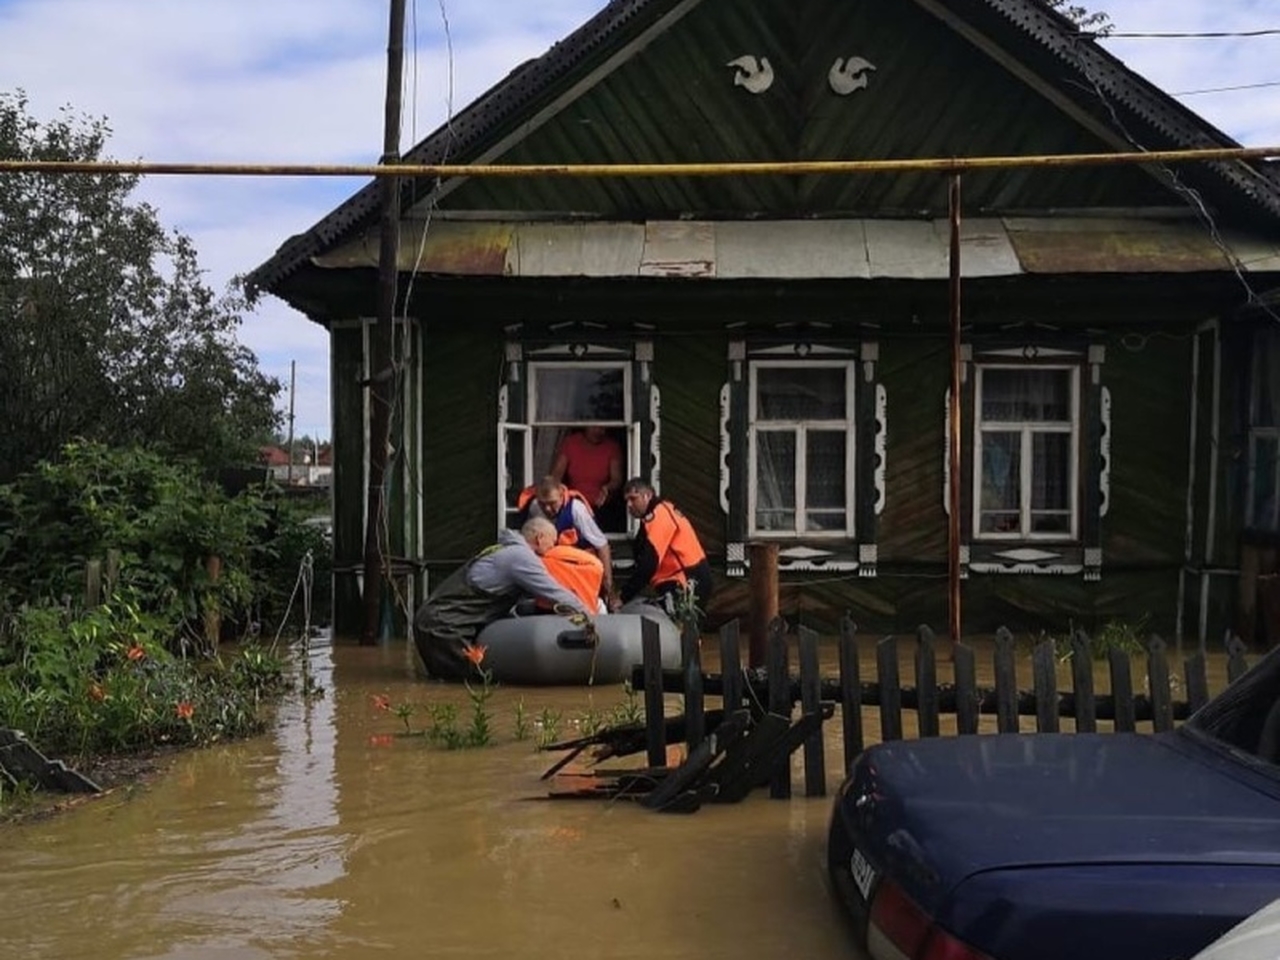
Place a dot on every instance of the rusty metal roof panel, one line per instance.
(812, 249)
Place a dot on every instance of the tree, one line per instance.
(107, 331)
(1094, 22)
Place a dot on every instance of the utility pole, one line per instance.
(954, 528)
(382, 380)
(293, 370)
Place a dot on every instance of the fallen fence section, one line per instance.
(20, 761)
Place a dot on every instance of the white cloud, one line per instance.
(302, 81)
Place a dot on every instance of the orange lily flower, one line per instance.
(136, 652)
(185, 710)
(475, 653)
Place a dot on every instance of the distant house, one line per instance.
(774, 351)
(304, 469)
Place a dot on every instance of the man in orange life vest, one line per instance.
(575, 525)
(668, 554)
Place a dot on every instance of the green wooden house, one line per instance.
(774, 352)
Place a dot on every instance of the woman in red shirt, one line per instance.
(590, 461)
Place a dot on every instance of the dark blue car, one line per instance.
(1066, 846)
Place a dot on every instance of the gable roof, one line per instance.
(1040, 49)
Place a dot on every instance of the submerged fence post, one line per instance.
(815, 764)
(1236, 664)
(731, 666)
(1122, 691)
(780, 702)
(655, 724)
(850, 691)
(1082, 683)
(1006, 683)
(694, 707)
(1044, 672)
(890, 689)
(966, 689)
(762, 579)
(1197, 682)
(926, 663)
(1158, 685)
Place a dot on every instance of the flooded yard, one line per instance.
(334, 837)
(338, 835)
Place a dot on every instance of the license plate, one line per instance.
(864, 875)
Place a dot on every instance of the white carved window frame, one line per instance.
(1027, 430)
(519, 391)
(801, 428)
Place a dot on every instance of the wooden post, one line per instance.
(850, 692)
(1236, 664)
(926, 663)
(1121, 691)
(890, 689)
(1197, 682)
(212, 614)
(731, 667)
(763, 584)
(954, 505)
(966, 689)
(1006, 683)
(1247, 593)
(815, 763)
(1044, 662)
(780, 703)
(1082, 683)
(1158, 686)
(381, 351)
(655, 724)
(92, 584)
(694, 708)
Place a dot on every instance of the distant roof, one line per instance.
(1080, 69)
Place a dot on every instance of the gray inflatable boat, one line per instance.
(548, 650)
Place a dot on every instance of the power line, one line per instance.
(1243, 86)
(1215, 35)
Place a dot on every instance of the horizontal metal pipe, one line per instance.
(768, 168)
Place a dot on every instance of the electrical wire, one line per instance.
(1189, 194)
(1205, 35)
(1243, 86)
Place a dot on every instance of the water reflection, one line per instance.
(336, 836)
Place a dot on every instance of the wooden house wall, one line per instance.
(1143, 532)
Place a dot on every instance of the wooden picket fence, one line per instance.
(774, 691)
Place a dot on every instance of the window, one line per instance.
(1263, 494)
(1026, 437)
(801, 438)
(590, 399)
(802, 445)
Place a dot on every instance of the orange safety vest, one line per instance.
(673, 539)
(566, 532)
(579, 572)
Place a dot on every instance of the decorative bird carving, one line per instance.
(755, 75)
(848, 76)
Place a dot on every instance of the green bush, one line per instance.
(135, 671)
(100, 681)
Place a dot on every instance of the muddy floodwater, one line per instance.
(336, 837)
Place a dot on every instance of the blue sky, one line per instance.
(302, 81)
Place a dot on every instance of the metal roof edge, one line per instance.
(1109, 75)
(524, 85)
